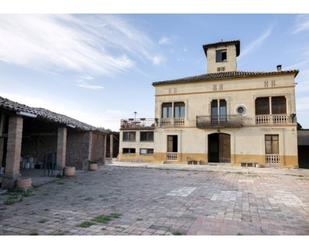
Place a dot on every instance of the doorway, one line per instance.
(219, 148)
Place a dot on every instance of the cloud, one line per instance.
(302, 24)
(165, 41)
(157, 60)
(90, 86)
(256, 43)
(101, 44)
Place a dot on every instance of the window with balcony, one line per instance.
(277, 104)
(146, 136)
(179, 110)
(129, 136)
(218, 110)
(167, 109)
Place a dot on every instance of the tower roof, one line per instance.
(223, 43)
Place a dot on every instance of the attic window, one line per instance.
(221, 55)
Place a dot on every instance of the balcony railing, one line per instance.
(171, 156)
(272, 159)
(137, 123)
(172, 122)
(221, 121)
(274, 119)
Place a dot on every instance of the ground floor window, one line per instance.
(146, 151)
(272, 144)
(128, 151)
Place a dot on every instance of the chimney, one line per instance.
(279, 68)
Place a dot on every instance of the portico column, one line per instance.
(111, 143)
(104, 149)
(61, 147)
(12, 168)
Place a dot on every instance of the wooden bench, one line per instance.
(249, 164)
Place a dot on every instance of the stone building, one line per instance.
(223, 116)
(36, 138)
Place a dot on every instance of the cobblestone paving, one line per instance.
(163, 202)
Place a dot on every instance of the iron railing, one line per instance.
(219, 121)
(137, 123)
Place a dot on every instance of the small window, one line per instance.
(221, 55)
(128, 136)
(128, 151)
(220, 69)
(146, 151)
(241, 110)
(146, 136)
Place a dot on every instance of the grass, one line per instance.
(100, 219)
(16, 195)
(86, 224)
(177, 233)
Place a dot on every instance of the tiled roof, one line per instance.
(223, 43)
(223, 76)
(45, 114)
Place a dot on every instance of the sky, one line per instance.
(100, 68)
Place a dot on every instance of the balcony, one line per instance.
(272, 159)
(274, 119)
(224, 121)
(171, 156)
(138, 124)
(171, 122)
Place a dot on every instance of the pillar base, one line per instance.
(8, 182)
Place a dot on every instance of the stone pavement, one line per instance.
(154, 201)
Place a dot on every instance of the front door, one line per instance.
(219, 148)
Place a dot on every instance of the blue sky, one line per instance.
(99, 68)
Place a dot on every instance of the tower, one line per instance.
(222, 56)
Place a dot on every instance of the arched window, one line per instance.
(278, 105)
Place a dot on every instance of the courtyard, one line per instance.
(120, 200)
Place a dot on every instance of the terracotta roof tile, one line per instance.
(223, 76)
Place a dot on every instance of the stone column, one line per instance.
(105, 147)
(1, 138)
(61, 147)
(15, 134)
(90, 146)
(111, 143)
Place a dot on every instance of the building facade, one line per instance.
(224, 116)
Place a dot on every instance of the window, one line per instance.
(241, 110)
(128, 136)
(145, 151)
(179, 110)
(278, 105)
(221, 55)
(146, 136)
(262, 106)
(218, 110)
(166, 110)
(272, 144)
(220, 69)
(128, 151)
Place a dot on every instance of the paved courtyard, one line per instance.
(147, 201)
